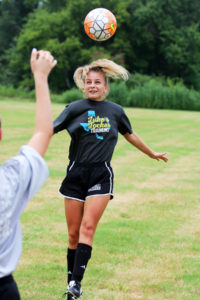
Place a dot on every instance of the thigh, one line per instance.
(93, 209)
(73, 213)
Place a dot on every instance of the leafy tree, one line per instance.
(153, 37)
(12, 17)
(52, 5)
(13, 14)
(165, 38)
(63, 34)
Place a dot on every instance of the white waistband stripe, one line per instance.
(110, 177)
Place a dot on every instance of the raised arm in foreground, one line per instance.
(42, 62)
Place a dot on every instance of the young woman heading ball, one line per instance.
(93, 124)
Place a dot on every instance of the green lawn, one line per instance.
(147, 245)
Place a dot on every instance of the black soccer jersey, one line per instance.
(93, 127)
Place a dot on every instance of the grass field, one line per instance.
(147, 245)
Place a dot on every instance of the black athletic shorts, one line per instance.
(86, 180)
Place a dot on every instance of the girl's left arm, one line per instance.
(136, 141)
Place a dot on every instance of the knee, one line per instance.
(87, 229)
(73, 237)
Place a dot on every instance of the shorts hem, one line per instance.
(73, 198)
(100, 195)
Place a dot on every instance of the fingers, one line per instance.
(42, 60)
(40, 54)
(54, 63)
(162, 156)
(46, 55)
(33, 55)
(165, 159)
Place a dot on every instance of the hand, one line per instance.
(158, 156)
(42, 62)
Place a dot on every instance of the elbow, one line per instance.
(51, 133)
(47, 133)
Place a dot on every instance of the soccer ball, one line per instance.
(100, 24)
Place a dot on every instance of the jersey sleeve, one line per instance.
(20, 177)
(124, 124)
(60, 123)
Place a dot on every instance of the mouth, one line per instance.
(93, 91)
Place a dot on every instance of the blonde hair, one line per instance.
(105, 66)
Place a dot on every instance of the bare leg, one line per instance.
(74, 215)
(87, 218)
(93, 210)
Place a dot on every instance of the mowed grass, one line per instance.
(147, 245)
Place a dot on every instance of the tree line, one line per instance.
(154, 37)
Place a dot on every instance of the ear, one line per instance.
(106, 92)
(106, 88)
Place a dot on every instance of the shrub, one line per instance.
(154, 95)
(10, 91)
(138, 79)
(68, 96)
(119, 93)
(147, 92)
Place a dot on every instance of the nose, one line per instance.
(92, 83)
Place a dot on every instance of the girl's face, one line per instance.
(95, 86)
